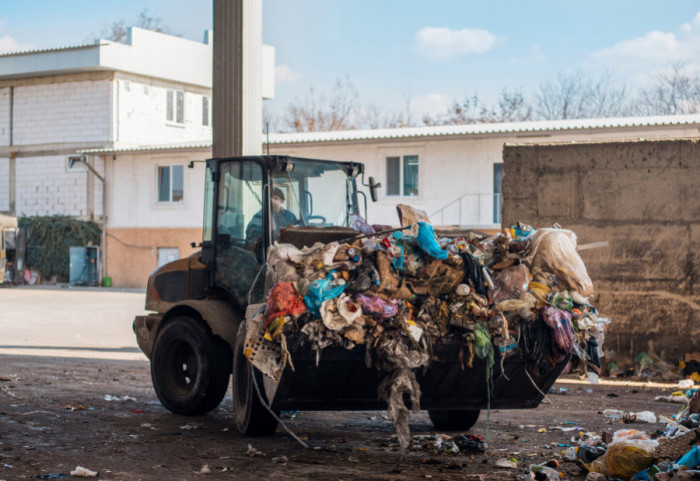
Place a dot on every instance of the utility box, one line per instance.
(84, 265)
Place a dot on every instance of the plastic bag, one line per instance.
(555, 249)
(358, 223)
(340, 312)
(284, 300)
(377, 307)
(562, 332)
(322, 290)
(691, 459)
(510, 283)
(627, 457)
(428, 242)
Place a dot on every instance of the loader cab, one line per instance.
(249, 201)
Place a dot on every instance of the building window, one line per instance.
(497, 193)
(171, 183)
(402, 175)
(175, 107)
(206, 111)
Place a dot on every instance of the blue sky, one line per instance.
(430, 52)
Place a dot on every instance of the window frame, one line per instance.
(172, 111)
(402, 157)
(170, 200)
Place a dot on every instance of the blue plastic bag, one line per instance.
(320, 290)
(428, 242)
(691, 459)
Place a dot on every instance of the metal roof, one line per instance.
(483, 129)
(202, 144)
(437, 131)
(52, 49)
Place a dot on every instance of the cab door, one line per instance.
(240, 232)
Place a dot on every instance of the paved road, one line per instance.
(63, 322)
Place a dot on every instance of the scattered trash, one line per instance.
(205, 470)
(544, 473)
(640, 417)
(686, 384)
(76, 407)
(191, 426)
(596, 477)
(109, 397)
(54, 476)
(511, 463)
(280, 460)
(252, 452)
(676, 397)
(81, 472)
(613, 414)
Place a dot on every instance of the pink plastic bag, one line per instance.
(562, 332)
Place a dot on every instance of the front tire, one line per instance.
(454, 420)
(190, 367)
(251, 417)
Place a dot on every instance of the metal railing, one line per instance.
(470, 210)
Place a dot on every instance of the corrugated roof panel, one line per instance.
(437, 131)
(46, 50)
(482, 129)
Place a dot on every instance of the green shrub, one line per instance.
(49, 240)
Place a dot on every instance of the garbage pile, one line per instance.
(670, 454)
(403, 292)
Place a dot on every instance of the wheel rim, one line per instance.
(184, 367)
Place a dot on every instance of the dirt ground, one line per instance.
(54, 416)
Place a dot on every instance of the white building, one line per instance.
(450, 172)
(153, 89)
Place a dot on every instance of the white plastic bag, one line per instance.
(554, 250)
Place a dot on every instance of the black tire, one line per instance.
(454, 420)
(251, 417)
(190, 367)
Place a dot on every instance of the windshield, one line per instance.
(315, 194)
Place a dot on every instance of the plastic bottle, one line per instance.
(549, 473)
(614, 414)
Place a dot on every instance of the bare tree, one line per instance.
(672, 93)
(576, 96)
(323, 113)
(117, 30)
(375, 117)
(512, 106)
(469, 111)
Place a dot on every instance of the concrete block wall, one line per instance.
(641, 196)
(43, 187)
(4, 116)
(142, 114)
(4, 184)
(61, 112)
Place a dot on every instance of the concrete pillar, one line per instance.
(237, 82)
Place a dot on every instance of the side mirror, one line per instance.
(373, 186)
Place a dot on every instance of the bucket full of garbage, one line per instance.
(409, 318)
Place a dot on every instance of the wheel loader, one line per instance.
(194, 335)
